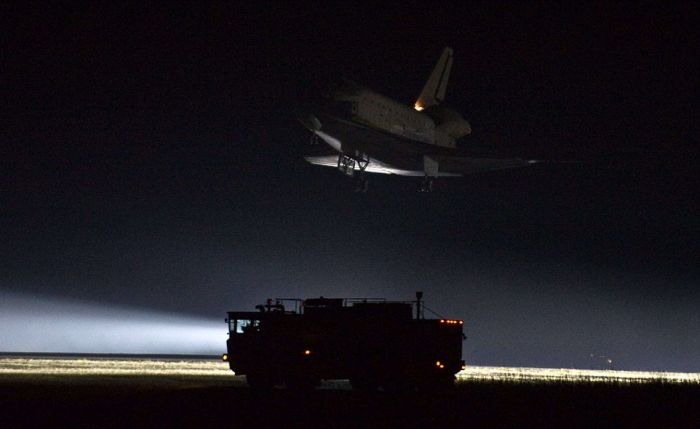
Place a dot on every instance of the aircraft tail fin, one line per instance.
(434, 90)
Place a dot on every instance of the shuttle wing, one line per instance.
(469, 165)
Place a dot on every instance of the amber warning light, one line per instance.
(452, 322)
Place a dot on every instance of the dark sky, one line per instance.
(150, 158)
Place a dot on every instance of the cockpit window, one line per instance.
(242, 326)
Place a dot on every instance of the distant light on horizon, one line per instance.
(43, 325)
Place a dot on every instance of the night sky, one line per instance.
(150, 159)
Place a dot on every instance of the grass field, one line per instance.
(171, 393)
(213, 368)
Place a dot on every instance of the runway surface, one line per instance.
(217, 370)
(89, 392)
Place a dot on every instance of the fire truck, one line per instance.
(374, 343)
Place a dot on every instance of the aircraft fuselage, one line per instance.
(369, 132)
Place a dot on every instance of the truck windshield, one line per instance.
(242, 326)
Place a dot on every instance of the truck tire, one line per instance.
(259, 381)
(363, 384)
(438, 383)
(302, 382)
(396, 385)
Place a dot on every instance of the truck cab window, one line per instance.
(243, 326)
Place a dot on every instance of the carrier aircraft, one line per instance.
(359, 131)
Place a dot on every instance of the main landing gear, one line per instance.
(355, 167)
(430, 167)
(314, 139)
(427, 184)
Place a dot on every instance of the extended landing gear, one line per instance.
(355, 167)
(430, 167)
(426, 185)
(346, 165)
(314, 139)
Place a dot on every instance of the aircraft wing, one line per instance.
(391, 154)
(449, 166)
(469, 165)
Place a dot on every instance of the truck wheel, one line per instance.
(259, 381)
(437, 383)
(363, 384)
(396, 385)
(302, 383)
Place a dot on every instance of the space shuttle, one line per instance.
(360, 131)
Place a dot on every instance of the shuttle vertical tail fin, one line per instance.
(434, 90)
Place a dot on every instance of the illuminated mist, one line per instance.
(34, 324)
